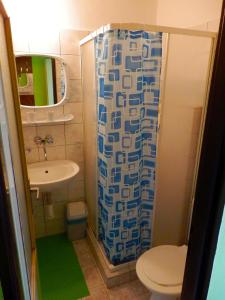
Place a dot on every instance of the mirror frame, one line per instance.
(65, 97)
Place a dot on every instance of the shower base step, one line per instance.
(112, 275)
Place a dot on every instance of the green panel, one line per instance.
(39, 79)
(217, 281)
(22, 79)
(48, 66)
(61, 277)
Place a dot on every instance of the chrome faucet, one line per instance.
(45, 153)
(43, 141)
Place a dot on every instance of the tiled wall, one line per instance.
(68, 137)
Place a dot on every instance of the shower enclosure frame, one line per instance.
(168, 31)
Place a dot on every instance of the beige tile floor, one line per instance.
(133, 290)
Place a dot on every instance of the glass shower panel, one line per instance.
(183, 104)
(13, 196)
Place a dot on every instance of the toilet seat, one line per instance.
(164, 265)
(161, 269)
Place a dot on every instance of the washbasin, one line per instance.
(48, 175)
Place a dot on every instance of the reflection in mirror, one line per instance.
(41, 80)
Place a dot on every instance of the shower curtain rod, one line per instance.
(154, 28)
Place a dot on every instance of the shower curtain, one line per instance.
(128, 67)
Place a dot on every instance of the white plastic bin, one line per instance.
(76, 220)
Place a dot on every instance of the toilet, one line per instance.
(161, 270)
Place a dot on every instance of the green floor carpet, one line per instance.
(60, 274)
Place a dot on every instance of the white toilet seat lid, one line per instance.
(165, 265)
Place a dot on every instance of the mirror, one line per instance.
(41, 80)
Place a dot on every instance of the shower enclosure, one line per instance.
(145, 97)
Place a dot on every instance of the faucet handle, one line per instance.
(38, 140)
(49, 139)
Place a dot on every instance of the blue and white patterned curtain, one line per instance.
(128, 65)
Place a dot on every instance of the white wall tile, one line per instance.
(53, 153)
(75, 90)
(32, 155)
(80, 175)
(60, 194)
(73, 66)
(74, 133)
(59, 210)
(58, 111)
(76, 190)
(55, 226)
(20, 40)
(29, 133)
(69, 40)
(56, 131)
(39, 227)
(44, 42)
(40, 114)
(76, 109)
(38, 211)
(75, 152)
(36, 201)
(24, 113)
(21, 45)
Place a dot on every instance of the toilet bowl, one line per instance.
(161, 270)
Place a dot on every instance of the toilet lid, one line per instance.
(164, 265)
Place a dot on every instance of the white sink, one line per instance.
(47, 175)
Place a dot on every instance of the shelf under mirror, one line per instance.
(57, 120)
